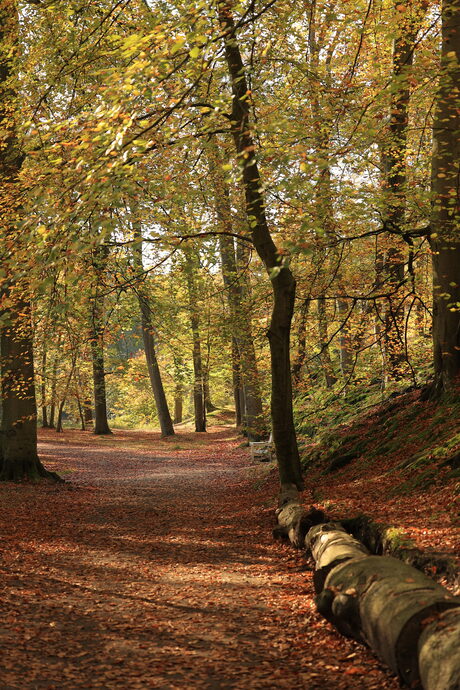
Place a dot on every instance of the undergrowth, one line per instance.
(416, 441)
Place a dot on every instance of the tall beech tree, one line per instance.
(97, 329)
(19, 458)
(246, 374)
(393, 265)
(281, 277)
(164, 416)
(190, 268)
(445, 213)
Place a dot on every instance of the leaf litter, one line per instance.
(155, 567)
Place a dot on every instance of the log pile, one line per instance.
(411, 622)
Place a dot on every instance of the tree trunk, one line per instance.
(59, 427)
(395, 172)
(87, 412)
(178, 403)
(53, 389)
(445, 214)
(210, 407)
(328, 367)
(18, 452)
(45, 424)
(282, 280)
(19, 457)
(301, 343)
(198, 385)
(81, 413)
(164, 416)
(240, 311)
(253, 422)
(236, 384)
(345, 339)
(101, 424)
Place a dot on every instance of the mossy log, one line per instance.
(383, 539)
(397, 610)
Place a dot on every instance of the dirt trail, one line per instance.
(155, 568)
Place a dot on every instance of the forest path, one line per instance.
(155, 568)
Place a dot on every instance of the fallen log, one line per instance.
(330, 545)
(294, 521)
(404, 616)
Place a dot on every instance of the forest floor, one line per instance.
(154, 566)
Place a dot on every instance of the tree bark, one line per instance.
(18, 452)
(210, 407)
(44, 407)
(236, 384)
(395, 174)
(282, 280)
(301, 343)
(81, 412)
(101, 424)
(59, 427)
(445, 213)
(198, 384)
(164, 416)
(54, 373)
(178, 403)
(19, 457)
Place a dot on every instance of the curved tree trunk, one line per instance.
(164, 416)
(416, 636)
(18, 451)
(282, 280)
(445, 215)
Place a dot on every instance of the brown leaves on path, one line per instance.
(155, 568)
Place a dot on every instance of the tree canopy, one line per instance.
(180, 180)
